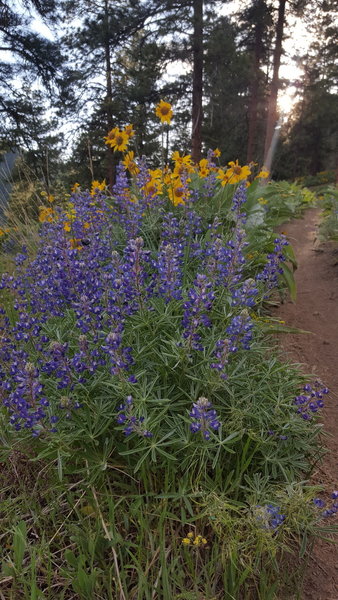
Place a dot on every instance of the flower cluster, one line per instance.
(169, 272)
(196, 308)
(240, 332)
(273, 268)
(120, 357)
(105, 262)
(25, 399)
(131, 423)
(269, 516)
(330, 510)
(245, 295)
(194, 540)
(204, 418)
(234, 174)
(311, 400)
(118, 139)
(222, 355)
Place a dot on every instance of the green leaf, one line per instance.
(290, 281)
(19, 543)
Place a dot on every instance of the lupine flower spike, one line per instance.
(204, 418)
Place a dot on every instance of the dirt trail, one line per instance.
(316, 310)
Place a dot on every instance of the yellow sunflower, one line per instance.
(129, 130)
(263, 174)
(117, 139)
(223, 177)
(203, 167)
(164, 112)
(97, 186)
(176, 192)
(130, 163)
(237, 173)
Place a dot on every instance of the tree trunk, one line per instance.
(253, 102)
(274, 87)
(109, 96)
(197, 83)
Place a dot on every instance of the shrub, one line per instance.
(133, 359)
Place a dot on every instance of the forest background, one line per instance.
(93, 65)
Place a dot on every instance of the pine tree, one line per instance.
(197, 81)
(256, 32)
(227, 77)
(310, 138)
(30, 56)
(275, 83)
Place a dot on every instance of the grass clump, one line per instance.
(328, 228)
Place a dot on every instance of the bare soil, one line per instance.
(316, 311)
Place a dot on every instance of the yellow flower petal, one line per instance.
(164, 112)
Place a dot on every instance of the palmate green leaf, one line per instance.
(256, 217)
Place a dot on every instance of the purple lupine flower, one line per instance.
(237, 261)
(130, 212)
(135, 274)
(120, 358)
(215, 228)
(222, 354)
(196, 308)
(67, 404)
(59, 364)
(225, 261)
(204, 418)
(281, 437)
(319, 502)
(84, 360)
(240, 332)
(119, 305)
(191, 229)
(25, 402)
(239, 198)
(330, 510)
(183, 233)
(59, 274)
(220, 262)
(270, 272)
(21, 257)
(210, 183)
(245, 295)
(269, 516)
(88, 313)
(310, 402)
(132, 424)
(171, 232)
(169, 272)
